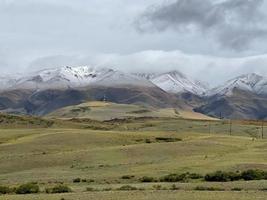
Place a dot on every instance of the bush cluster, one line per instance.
(218, 176)
(28, 188)
(147, 179)
(203, 188)
(180, 177)
(252, 174)
(172, 178)
(127, 188)
(58, 189)
(221, 176)
(5, 190)
(82, 180)
(127, 177)
(77, 180)
(168, 139)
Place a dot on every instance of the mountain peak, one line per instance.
(176, 82)
(248, 82)
(252, 77)
(82, 76)
(176, 74)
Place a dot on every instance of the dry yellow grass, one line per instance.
(52, 155)
(194, 115)
(106, 110)
(146, 195)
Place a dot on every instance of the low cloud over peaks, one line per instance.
(233, 24)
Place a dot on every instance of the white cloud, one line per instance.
(33, 33)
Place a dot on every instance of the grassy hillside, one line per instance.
(132, 148)
(107, 111)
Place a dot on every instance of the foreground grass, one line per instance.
(145, 195)
(131, 148)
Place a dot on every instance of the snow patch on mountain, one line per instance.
(248, 82)
(176, 82)
(74, 77)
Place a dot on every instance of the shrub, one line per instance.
(76, 180)
(58, 189)
(107, 189)
(157, 187)
(203, 188)
(148, 141)
(5, 190)
(147, 179)
(236, 189)
(174, 187)
(163, 139)
(180, 177)
(194, 176)
(90, 189)
(127, 188)
(220, 176)
(254, 175)
(29, 188)
(127, 177)
(234, 176)
(173, 178)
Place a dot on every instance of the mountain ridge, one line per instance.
(75, 77)
(42, 92)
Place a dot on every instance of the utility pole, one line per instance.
(104, 99)
(209, 128)
(262, 129)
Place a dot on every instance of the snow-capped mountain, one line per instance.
(176, 82)
(73, 77)
(248, 82)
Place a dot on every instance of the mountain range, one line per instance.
(42, 92)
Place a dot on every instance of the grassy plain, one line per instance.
(102, 152)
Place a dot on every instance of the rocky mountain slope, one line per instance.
(42, 92)
(249, 82)
(244, 97)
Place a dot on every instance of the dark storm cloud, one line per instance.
(235, 24)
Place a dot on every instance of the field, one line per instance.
(109, 155)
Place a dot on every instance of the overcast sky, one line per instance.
(212, 40)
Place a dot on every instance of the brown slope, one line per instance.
(240, 105)
(46, 101)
